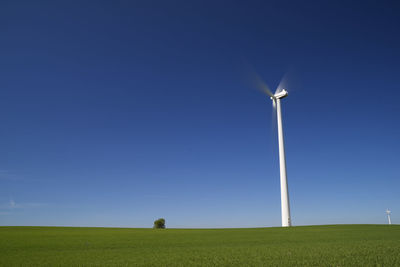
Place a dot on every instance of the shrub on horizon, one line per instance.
(159, 224)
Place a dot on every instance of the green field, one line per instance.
(337, 245)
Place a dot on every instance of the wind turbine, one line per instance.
(276, 103)
(388, 214)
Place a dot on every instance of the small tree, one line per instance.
(159, 224)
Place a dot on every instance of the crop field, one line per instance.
(335, 245)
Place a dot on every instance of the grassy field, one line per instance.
(337, 245)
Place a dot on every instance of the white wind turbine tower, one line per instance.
(388, 214)
(276, 103)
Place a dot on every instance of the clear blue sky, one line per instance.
(116, 113)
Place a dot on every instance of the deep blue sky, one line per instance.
(115, 113)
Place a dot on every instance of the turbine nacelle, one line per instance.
(280, 95)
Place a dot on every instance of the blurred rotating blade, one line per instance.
(259, 84)
(283, 84)
(288, 81)
(273, 130)
(256, 81)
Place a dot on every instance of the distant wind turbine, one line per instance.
(388, 214)
(276, 103)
